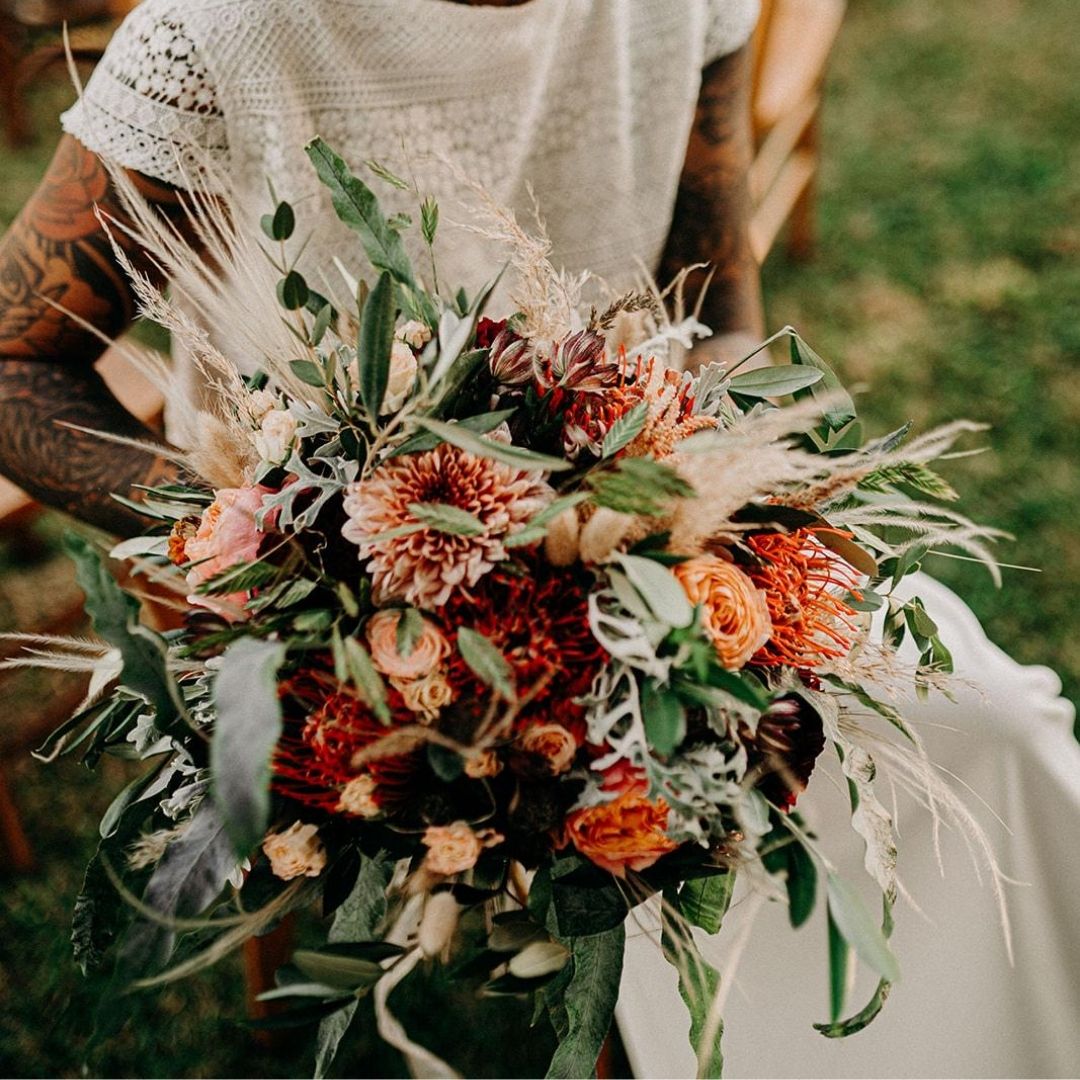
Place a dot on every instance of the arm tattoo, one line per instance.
(57, 251)
(73, 470)
(711, 219)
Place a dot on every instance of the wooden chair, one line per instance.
(791, 48)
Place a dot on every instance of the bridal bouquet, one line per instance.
(491, 630)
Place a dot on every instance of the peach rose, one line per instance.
(553, 743)
(296, 852)
(414, 333)
(226, 536)
(736, 612)
(453, 849)
(358, 797)
(483, 765)
(428, 651)
(624, 834)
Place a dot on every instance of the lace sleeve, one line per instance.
(730, 24)
(150, 104)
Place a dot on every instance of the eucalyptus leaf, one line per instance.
(375, 344)
(486, 662)
(356, 205)
(659, 588)
(447, 518)
(776, 381)
(858, 928)
(460, 436)
(704, 901)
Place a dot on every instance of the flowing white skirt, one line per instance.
(960, 1009)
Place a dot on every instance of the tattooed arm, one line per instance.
(57, 251)
(712, 210)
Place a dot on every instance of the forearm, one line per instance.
(711, 220)
(68, 469)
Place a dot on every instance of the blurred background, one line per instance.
(945, 278)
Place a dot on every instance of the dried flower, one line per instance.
(561, 545)
(426, 566)
(296, 852)
(428, 651)
(736, 614)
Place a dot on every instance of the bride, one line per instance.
(629, 124)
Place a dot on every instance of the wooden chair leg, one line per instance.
(262, 957)
(15, 847)
(802, 233)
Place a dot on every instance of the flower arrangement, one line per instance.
(508, 617)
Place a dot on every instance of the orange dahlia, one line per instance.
(803, 582)
(426, 564)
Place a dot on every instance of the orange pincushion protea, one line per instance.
(803, 583)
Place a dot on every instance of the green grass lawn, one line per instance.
(947, 282)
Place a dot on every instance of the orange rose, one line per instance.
(626, 833)
(736, 612)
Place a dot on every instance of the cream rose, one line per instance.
(414, 333)
(358, 797)
(736, 611)
(553, 743)
(275, 437)
(401, 378)
(483, 765)
(296, 852)
(428, 651)
(425, 696)
(260, 402)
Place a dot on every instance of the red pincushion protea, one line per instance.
(540, 622)
(804, 583)
(426, 565)
(324, 732)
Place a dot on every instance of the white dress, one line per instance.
(589, 103)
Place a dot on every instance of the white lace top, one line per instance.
(589, 102)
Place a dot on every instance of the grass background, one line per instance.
(947, 280)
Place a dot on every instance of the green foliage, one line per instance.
(699, 983)
(280, 224)
(246, 731)
(704, 901)
(356, 205)
(778, 381)
(115, 616)
(857, 928)
(460, 436)
(292, 291)
(447, 518)
(913, 474)
(582, 1006)
(376, 343)
(625, 430)
(485, 661)
(637, 485)
(190, 875)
